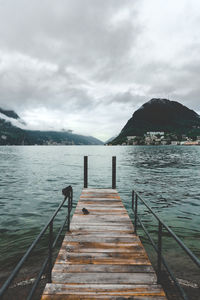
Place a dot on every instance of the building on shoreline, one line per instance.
(161, 138)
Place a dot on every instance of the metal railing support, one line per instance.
(135, 214)
(50, 265)
(85, 171)
(114, 172)
(158, 248)
(133, 196)
(71, 200)
(159, 259)
(68, 212)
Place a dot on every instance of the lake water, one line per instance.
(32, 177)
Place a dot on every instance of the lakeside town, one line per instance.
(162, 138)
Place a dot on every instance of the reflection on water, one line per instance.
(32, 178)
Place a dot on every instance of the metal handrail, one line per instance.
(158, 248)
(68, 193)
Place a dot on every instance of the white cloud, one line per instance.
(19, 123)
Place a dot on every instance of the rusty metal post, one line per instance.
(68, 212)
(159, 262)
(71, 200)
(114, 172)
(85, 171)
(135, 214)
(133, 197)
(50, 265)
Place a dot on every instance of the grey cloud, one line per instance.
(67, 32)
(78, 35)
(127, 98)
(44, 87)
(93, 59)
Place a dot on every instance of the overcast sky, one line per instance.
(87, 65)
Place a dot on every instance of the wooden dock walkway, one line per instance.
(101, 257)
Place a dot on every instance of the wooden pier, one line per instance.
(101, 257)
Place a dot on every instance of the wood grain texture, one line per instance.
(89, 268)
(146, 289)
(103, 291)
(99, 227)
(101, 257)
(104, 278)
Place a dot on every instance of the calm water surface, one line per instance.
(32, 177)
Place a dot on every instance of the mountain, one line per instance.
(9, 113)
(161, 115)
(58, 137)
(110, 139)
(12, 134)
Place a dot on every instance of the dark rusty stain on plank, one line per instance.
(101, 257)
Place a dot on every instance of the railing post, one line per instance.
(159, 262)
(71, 200)
(69, 210)
(85, 171)
(50, 251)
(114, 172)
(135, 213)
(133, 195)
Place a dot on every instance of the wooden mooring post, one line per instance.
(85, 171)
(113, 172)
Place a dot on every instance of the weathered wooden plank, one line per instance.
(89, 218)
(115, 233)
(98, 296)
(99, 230)
(93, 190)
(102, 212)
(104, 278)
(102, 220)
(102, 203)
(103, 224)
(97, 212)
(101, 247)
(104, 239)
(96, 220)
(99, 200)
(92, 214)
(91, 249)
(64, 268)
(133, 245)
(98, 227)
(100, 195)
(116, 239)
(103, 260)
(102, 208)
(70, 256)
(93, 205)
(105, 289)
